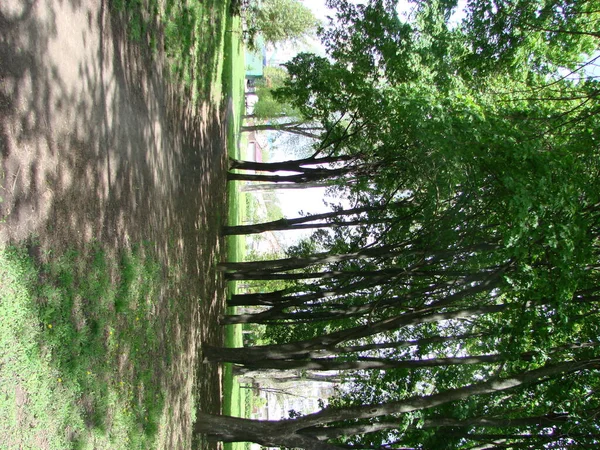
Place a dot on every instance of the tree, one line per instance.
(311, 431)
(282, 20)
(489, 269)
(267, 107)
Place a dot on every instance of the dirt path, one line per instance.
(96, 146)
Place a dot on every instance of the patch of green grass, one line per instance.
(141, 17)
(194, 35)
(77, 335)
(233, 81)
(234, 72)
(194, 38)
(237, 401)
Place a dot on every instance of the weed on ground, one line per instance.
(78, 335)
(192, 36)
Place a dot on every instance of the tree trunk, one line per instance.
(383, 251)
(418, 402)
(262, 432)
(281, 303)
(307, 177)
(284, 224)
(495, 422)
(257, 298)
(311, 347)
(282, 186)
(325, 364)
(319, 258)
(296, 165)
(304, 432)
(289, 127)
(281, 377)
(386, 273)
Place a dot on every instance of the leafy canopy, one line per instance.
(282, 21)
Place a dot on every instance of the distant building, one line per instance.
(256, 60)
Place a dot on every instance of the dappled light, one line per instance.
(101, 145)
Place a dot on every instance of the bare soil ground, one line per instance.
(97, 146)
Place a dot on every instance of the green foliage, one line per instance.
(267, 107)
(281, 20)
(497, 151)
(515, 36)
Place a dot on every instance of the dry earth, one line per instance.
(98, 147)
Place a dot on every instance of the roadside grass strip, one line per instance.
(237, 400)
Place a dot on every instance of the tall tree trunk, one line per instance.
(382, 251)
(500, 422)
(253, 187)
(326, 364)
(307, 177)
(418, 402)
(304, 431)
(294, 165)
(278, 377)
(478, 422)
(265, 433)
(288, 127)
(318, 258)
(276, 311)
(283, 223)
(312, 347)
(386, 273)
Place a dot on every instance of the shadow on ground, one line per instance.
(98, 147)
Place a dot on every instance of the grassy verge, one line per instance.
(77, 335)
(194, 36)
(237, 400)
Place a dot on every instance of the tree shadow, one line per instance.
(97, 147)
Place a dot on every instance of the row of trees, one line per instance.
(459, 291)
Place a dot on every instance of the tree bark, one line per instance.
(326, 364)
(289, 127)
(385, 273)
(282, 302)
(307, 177)
(319, 258)
(311, 347)
(284, 224)
(304, 431)
(382, 251)
(416, 403)
(282, 186)
(294, 165)
(265, 433)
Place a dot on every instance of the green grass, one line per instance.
(233, 83)
(77, 332)
(237, 401)
(194, 36)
